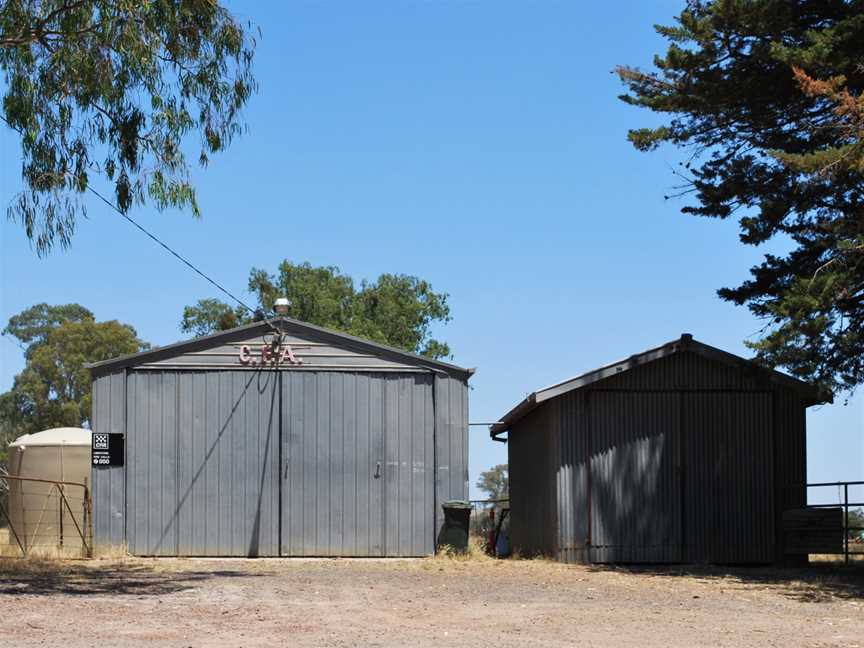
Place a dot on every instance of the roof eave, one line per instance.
(524, 407)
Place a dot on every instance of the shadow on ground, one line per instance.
(21, 576)
(813, 584)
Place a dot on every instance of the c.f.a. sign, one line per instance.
(107, 449)
(267, 355)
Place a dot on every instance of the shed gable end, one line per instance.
(261, 350)
(687, 370)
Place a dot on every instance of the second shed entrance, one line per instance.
(661, 485)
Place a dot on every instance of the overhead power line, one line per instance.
(171, 250)
(186, 262)
(168, 248)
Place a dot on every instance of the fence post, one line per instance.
(846, 523)
(88, 519)
(12, 529)
(60, 499)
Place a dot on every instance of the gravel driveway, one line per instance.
(425, 602)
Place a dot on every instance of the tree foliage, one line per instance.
(495, 482)
(211, 315)
(33, 325)
(53, 390)
(116, 88)
(855, 523)
(766, 97)
(398, 310)
(9, 431)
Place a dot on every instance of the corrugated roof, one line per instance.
(286, 324)
(686, 342)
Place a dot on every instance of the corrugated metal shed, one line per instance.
(683, 453)
(292, 440)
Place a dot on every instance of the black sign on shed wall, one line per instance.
(107, 449)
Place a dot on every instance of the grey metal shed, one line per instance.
(680, 454)
(279, 438)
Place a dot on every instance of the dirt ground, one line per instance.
(424, 602)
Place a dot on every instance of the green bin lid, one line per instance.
(457, 504)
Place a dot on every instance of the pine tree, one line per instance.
(766, 97)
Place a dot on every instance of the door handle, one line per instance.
(377, 470)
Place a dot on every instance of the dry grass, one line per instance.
(8, 546)
(64, 569)
(112, 552)
(35, 566)
(854, 556)
(9, 549)
(476, 552)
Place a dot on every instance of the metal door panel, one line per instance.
(728, 445)
(358, 464)
(635, 477)
(332, 443)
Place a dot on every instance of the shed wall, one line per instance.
(790, 463)
(109, 483)
(572, 496)
(451, 442)
(533, 460)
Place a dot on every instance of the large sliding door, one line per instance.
(297, 463)
(333, 465)
(681, 476)
(203, 463)
(358, 464)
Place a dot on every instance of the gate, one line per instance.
(47, 516)
(836, 528)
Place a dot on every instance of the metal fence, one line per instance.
(44, 516)
(853, 525)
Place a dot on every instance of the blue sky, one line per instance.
(477, 145)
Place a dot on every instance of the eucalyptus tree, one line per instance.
(395, 309)
(118, 93)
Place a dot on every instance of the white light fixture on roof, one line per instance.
(282, 305)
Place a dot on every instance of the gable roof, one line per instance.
(812, 395)
(286, 325)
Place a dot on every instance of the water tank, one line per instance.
(37, 514)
